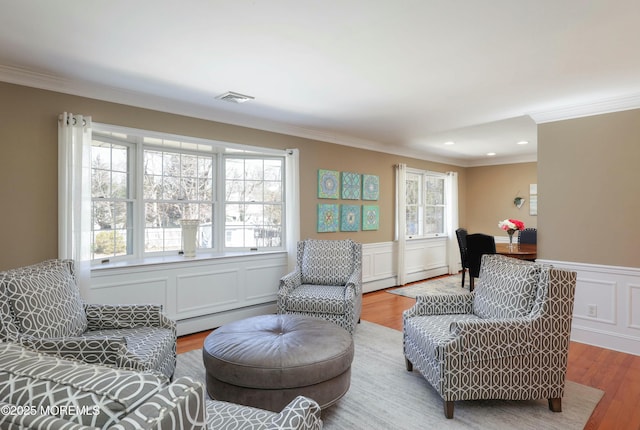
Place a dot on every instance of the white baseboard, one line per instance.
(207, 322)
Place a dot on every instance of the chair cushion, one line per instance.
(506, 287)
(325, 299)
(45, 300)
(327, 262)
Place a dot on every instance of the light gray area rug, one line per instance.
(385, 396)
(445, 285)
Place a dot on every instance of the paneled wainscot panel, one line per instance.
(143, 291)
(207, 292)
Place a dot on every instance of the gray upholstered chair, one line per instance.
(41, 308)
(508, 339)
(326, 283)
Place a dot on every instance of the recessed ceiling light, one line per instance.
(491, 154)
(449, 143)
(523, 142)
(232, 97)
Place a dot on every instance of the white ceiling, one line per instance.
(400, 76)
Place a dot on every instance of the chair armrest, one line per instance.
(289, 282)
(472, 341)
(89, 349)
(355, 281)
(106, 317)
(179, 405)
(440, 305)
(301, 413)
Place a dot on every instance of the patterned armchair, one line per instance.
(43, 392)
(41, 308)
(326, 283)
(507, 340)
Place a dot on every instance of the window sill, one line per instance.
(430, 237)
(180, 259)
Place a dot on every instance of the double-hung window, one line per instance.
(254, 201)
(425, 204)
(144, 184)
(112, 197)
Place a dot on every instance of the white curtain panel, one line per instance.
(453, 252)
(401, 224)
(74, 191)
(292, 210)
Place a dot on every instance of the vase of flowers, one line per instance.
(511, 226)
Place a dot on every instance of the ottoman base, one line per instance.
(325, 393)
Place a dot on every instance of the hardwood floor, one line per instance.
(616, 373)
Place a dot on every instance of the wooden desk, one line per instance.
(523, 251)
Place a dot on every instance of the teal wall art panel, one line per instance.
(349, 218)
(328, 184)
(328, 218)
(370, 217)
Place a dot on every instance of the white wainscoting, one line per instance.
(615, 293)
(207, 292)
(198, 294)
(424, 258)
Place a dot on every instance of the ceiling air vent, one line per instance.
(234, 97)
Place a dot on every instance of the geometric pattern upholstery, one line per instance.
(508, 292)
(139, 337)
(326, 282)
(72, 395)
(327, 262)
(469, 356)
(45, 302)
(301, 413)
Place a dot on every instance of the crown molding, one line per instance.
(28, 78)
(609, 105)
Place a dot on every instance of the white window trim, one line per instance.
(447, 210)
(291, 213)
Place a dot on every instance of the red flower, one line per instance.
(519, 224)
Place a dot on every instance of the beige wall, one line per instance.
(490, 194)
(28, 166)
(589, 189)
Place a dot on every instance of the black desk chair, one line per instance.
(461, 235)
(528, 235)
(478, 244)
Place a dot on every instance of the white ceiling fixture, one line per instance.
(232, 97)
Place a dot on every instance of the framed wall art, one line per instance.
(370, 187)
(349, 218)
(351, 186)
(370, 217)
(328, 218)
(328, 185)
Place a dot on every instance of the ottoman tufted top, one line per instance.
(278, 351)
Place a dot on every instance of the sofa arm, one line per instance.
(301, 413)
(440, 305)
(179, 405)
(474, 344)
(290, 282)
(106, 317)
(89, 349)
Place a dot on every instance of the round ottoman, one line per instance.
(268, 360)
